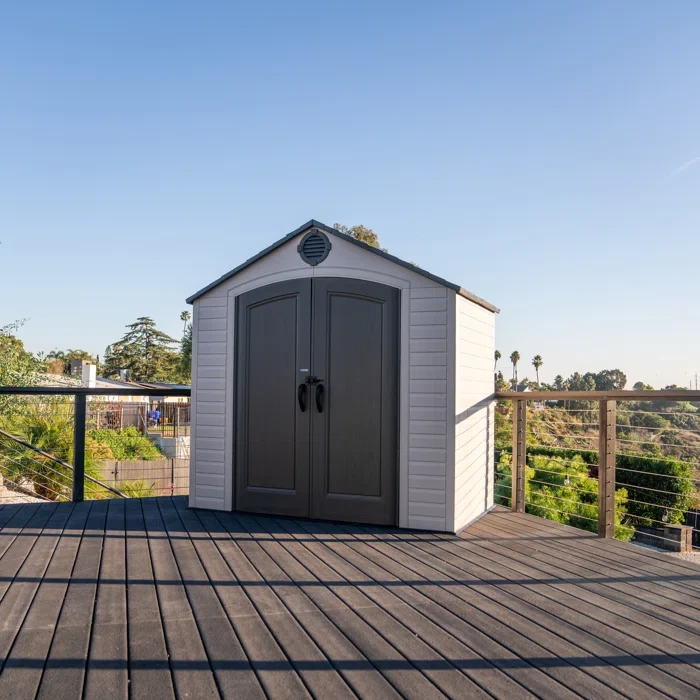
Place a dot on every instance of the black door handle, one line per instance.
(319, 398)
(301, 396)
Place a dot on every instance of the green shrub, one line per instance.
(137, 489)
(127, 444)
(655, 487)
(562, 490)
(47, 425)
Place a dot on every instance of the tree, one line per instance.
(186, 354)
(18, 367)
(144, 350)
(185, 316)
(537, 363)
(496, 357)
(559, 382)
(515, 358)
(58, 361)
(561, 489)
(361, 233)
(609, 380)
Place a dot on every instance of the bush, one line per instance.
(127, 444)
(47, 425)
(137, 489)
(636, 475)
(561, 489)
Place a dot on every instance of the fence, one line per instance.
(161, 477)
(47, 453)
(158, 417)
(625, 464)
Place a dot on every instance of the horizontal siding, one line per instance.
(212, 324)
(427, 428)
(209, 431)
(209, 503)
(474, 408)
(208, 441)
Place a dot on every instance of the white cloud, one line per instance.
(689, 164)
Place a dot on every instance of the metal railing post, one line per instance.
(606, 469)
(79, 421)
(519, 455)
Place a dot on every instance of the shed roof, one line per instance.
(376, 251)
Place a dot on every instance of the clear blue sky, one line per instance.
(540, 154)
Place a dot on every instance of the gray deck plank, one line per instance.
(149, 667)
(234, 675)
(684, 576)
(23, 539)
(525, 597)
(15, 524)
(649, 604)
(24, 666)
(192, 674)
(591, 654)
(381, 586)
(559, 677)
(64, 672)
(310, 625)
(429, 600)
(18, 597)
(293, 560)
(220, 557)
(627, 632)
(649, 583)
(591, 617)
(149, 599)
(107, 666)
(349, 610)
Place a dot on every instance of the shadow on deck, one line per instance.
(145, 598)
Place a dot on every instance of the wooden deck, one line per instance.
(147, 599)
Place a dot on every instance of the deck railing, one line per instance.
(624, 464)
(45, 445)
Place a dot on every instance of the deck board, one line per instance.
(149, 599)
(23, 667)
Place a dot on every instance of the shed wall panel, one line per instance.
(474, 411)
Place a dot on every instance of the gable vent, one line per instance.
(314, 247)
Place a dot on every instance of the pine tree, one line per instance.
(144, 350)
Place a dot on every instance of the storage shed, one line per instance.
(333, 380)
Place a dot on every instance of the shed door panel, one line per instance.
(354, 435)
(272, 443)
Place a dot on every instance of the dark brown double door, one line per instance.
(317, 400)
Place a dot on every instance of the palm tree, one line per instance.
(515, 358)
(185, 316)
(496, 358)
(537, 363)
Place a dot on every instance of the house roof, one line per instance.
(327, 229)
(164, 385)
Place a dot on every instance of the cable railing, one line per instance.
(624, 464)
(53, 449)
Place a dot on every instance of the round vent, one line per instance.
(314, 247)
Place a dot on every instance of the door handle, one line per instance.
(319, 397)
(301, 396)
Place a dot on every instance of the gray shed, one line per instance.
(333, 380)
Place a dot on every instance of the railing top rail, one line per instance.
(76, 391)
(646, 395)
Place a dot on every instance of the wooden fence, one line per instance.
(162, 476)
